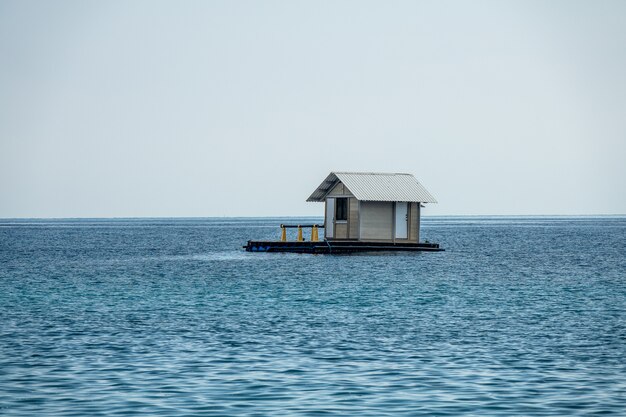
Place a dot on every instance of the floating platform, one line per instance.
(338, 247)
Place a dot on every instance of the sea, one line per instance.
(519, 316)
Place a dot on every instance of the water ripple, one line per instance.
(521, 316)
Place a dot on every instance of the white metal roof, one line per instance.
(373, 186)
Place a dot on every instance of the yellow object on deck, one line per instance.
(314, 235)
(283, 234)
(300, 239)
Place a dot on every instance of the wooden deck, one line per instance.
(338, 247)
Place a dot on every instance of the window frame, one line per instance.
(341, 207)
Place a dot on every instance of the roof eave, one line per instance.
(331, 180)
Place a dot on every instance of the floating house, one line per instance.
(363, 211)
(367, 206)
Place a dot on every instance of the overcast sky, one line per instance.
(237, 108)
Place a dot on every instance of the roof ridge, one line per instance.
(370, 173)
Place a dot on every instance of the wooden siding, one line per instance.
(348, 229)
(419, 221)
(413, 222)
(341, 230)
(353, 218)
(339, 190)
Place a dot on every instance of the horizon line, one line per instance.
(299, 217)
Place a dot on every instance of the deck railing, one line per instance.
(299, 238)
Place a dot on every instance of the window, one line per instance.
(341, 209)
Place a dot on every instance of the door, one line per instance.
(329, 224)
(402, 220)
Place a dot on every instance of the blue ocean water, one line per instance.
(520, 316)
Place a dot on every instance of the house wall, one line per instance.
(348, 229)
(371, 220)
(340, 190)
(353, 218)
(341, 230)
(376, 220)
(418, 221)
(414, 222)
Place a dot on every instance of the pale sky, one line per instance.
(241, 108)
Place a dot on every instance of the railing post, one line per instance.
(283, 233)
(300, 239)
(314, 235)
